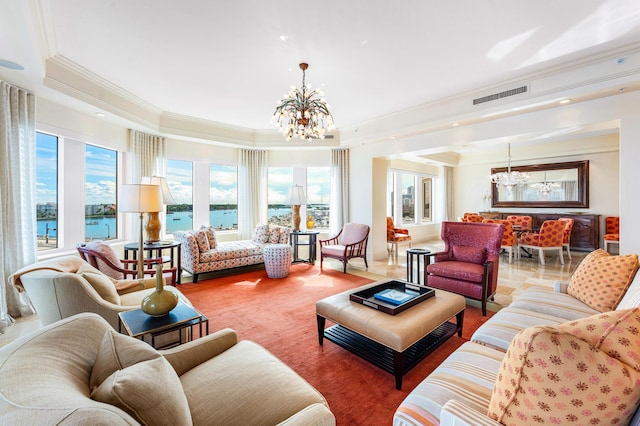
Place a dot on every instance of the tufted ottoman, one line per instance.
(277, 260)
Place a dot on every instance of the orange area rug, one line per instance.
(279, 314)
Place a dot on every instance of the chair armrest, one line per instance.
(560, 286)
(401, 231)
(189, 355)
(329, 242)
(129, 286)
(456, 413)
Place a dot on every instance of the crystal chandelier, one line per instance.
(509, 179)
(545, 188)
(303, 112)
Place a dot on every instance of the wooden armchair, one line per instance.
(102, 257)
(351, 242)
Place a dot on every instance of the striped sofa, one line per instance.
(459, 391)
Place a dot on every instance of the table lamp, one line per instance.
(295, 199)
(153, 225)
(140, 199)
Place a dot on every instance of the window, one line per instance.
(101, 171)
(318, 190)
(223, 197)
(180, 181)
(279, 181)
(408, 199)
(47, 191)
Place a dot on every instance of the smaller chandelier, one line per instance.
(303, 113)
(509, 179)
(545, 188)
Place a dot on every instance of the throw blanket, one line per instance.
(62, 264)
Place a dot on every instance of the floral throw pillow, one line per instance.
(211, 235)
(579, 372)
(261, 235)
(274, 235)
(601, 280)
(202, 240)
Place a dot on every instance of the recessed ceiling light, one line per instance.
(565, 101)
(392, 137)
(455, 124)
(100, 114)
(11, 65)
(283, 37)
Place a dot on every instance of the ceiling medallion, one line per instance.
(303, 112)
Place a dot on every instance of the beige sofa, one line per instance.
(201, 251)
(469, 385)
(80, 371)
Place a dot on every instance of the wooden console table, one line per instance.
(585, 235)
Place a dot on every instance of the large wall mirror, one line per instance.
(550, 185)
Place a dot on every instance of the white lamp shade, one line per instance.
(167, 198)
(140, 199)
(296, 196)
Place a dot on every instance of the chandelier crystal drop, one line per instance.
(509, 179)
(303, 112)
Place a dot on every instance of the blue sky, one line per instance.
(46, 168)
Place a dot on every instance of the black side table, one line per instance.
(157, 248)
(310, 241)
(418, 253)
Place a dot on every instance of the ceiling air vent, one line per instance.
(496, 96)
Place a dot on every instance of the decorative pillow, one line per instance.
(149, 391)
(211, 235)
(601, 280)
(101, 283)
(274, 235)
(107, 251)
(579, 372)
(284, 235)
(202, 240)
(469, 254)
(116, 352)
(261, 235)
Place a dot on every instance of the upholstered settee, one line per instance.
(68, 285)
(81, 371)
(201, 252)
(568, 355)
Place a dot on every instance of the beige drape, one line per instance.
(448, 194)
(339, 183)
(17, 196)
(252, 191)
(149, 155)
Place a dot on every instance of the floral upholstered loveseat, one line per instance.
(201, 252)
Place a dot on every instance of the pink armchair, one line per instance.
(469, 263)
(351, 242)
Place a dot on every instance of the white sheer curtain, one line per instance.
(149, 158)
(149, 155)
(17, 196)
(252, 191)
(339, 181)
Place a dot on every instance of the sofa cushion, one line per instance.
(211, 235)
(631, 298)
(149, 391)
(469, 254)
(274, 235)
(202, 240)
(116, 352)
(284, 235)
(601, 280)
(100, 282)
(578, 372)
(261, 235)
(107, 251)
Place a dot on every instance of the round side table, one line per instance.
(277, 260)
(418, 254)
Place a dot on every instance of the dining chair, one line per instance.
(611, 232)
(550, 237)
(566, 240)
(509, 240)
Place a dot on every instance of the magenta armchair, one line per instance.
(469, 263)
